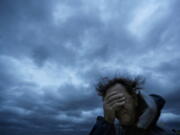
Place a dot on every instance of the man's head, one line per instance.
(126, 114)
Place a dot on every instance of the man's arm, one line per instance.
(105, 125)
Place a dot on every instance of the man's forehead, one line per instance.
(117, 87)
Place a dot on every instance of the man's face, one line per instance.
(126, 113)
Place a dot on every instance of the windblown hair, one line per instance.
(131, 85)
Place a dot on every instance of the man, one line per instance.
(136, 112)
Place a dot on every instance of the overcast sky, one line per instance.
(52, 52)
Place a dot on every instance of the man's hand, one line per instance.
(111, 103)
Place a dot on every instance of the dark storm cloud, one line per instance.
(40, 55)
(172, 99)
(32, 27)
(29, 111)
(75, 43)
(23, 109)
(18, 19)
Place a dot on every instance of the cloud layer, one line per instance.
(53, 52)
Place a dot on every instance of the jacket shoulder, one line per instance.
(159, 100)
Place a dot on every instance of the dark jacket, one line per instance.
(102, 127)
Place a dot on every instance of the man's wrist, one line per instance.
(109, 120)
(102, 119)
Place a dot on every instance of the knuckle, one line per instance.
(116, 104)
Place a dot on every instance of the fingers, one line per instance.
(113, 94)
(115, 98)
(123, 99)
(118, 104)
(115, 103)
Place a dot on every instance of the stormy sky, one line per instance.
(52, 53)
